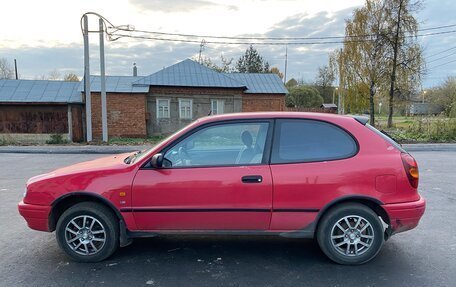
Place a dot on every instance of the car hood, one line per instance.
(105, 163)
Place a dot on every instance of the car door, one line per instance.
(213, 178)
(312, 163)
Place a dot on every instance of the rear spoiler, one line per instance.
(361, 119)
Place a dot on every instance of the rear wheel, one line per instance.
(350, 234)
(88, 232)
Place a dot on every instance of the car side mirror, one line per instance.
(157, 160)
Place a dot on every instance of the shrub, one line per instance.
(57, 139)
(304, 96)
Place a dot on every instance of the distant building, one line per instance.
(425, 109)
(160, 103)
(31, 110)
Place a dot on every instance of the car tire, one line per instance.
(88, 232)
(350, 234)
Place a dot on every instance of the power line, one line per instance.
(115, 36)
(442, 64)
(280, 38)
(441, 52)
(443, 57)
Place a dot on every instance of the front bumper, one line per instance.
(405, 216)
(37, 216)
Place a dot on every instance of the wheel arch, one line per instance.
(372, 203)
(67, 200)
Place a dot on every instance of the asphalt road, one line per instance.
(425, 256)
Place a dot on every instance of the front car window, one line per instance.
(220, 145)
(309, 141)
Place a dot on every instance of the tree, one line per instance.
(405, 52)
(276, 70)
(225, 65)
(6, 72)
(362, 63)
(291, 83)
(70, 77)
(54, 75)
(304, 97)
(445, 96)
(252, 62)
(324, 82)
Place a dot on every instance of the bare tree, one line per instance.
(6, 72)
(71, 77)
(54, 75)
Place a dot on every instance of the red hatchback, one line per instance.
(291, 174)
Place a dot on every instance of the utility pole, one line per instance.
(286, 64)
(88, 99)
(15, 68)
(203, 43)
(104, 113)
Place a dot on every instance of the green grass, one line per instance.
(419, 129)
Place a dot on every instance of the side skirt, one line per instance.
(286, 234)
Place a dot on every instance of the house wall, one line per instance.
(126, 115)
(34, 123)
(201, 105)
(263, 102)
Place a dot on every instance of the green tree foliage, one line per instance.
(252, 62)
(366, 67)
(303, 97)
(444, 95)
(404, 51)
(291, 83)
(324, 83)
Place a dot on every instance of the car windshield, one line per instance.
(140, 154)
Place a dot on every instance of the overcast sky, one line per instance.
(45, 35)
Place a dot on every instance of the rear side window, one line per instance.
(298, 140)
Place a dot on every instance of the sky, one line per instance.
(46, 35)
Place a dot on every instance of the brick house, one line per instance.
(171, 98)
(160, 103)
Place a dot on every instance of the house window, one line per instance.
(162, 108)
(217, 107)
(185, 108)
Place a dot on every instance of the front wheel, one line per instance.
(88, 232)
(350, 234)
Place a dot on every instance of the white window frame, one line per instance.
(181, 114)
(158, 109)
(220, 104)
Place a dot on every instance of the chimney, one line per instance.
(135, 70)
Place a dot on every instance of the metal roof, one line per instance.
(39, 91)
(260, 83)
(189, 73)
(115, 84)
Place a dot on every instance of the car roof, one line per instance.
(274, 115)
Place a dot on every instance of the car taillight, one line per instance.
(411, 169)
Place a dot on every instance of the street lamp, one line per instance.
(424, 93)
(380, 108)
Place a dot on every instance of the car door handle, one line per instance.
(252, 179)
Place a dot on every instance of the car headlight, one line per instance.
(25, 192)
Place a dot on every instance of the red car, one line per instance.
(305, 175)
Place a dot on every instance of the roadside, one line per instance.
(115, 149)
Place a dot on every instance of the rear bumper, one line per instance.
(405, 216)
(37, 216)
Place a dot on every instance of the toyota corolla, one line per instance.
(301, 175)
